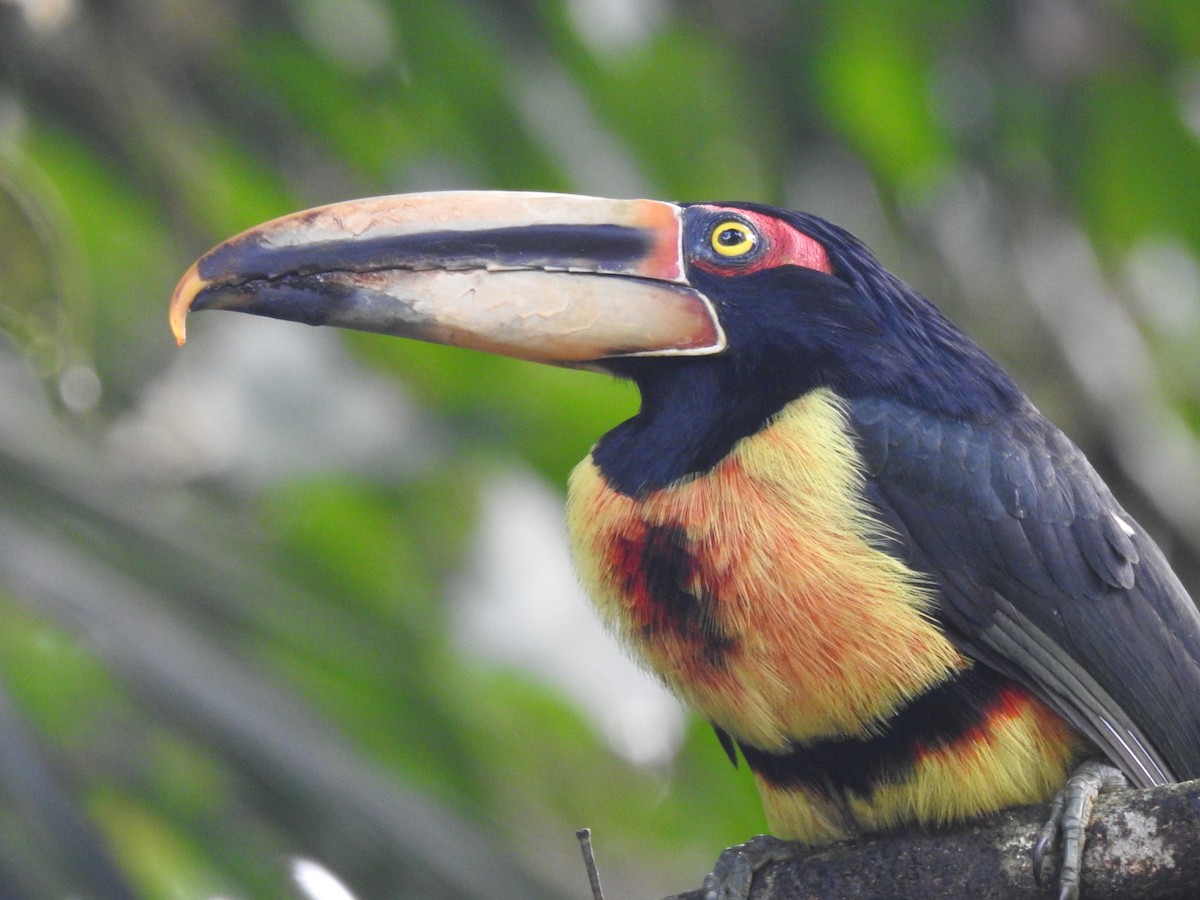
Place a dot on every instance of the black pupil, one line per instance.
(731, 237)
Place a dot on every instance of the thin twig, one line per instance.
(589, 861)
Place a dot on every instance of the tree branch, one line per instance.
(1140, 844)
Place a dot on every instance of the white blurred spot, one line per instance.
(47, 15)
(609, 26)
(1123, 525)
(520, 605)
(79, 387)
(317, 882)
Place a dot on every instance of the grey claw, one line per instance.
(733, 873)
(1070, 813)
(1048, 835)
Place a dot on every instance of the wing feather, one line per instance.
(1042, 575)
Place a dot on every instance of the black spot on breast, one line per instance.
(659, 568)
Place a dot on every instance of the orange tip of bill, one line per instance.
(189, 286)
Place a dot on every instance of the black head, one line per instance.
(804, 305)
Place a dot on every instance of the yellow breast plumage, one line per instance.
(758, 591)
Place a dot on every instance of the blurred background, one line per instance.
(287, 613)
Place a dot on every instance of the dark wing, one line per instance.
(1044, 576)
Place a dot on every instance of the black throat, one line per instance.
(692, 414)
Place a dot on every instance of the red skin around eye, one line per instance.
(786, 246)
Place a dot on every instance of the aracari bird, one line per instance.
(836, 528)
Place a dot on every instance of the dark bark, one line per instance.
(1140, 844)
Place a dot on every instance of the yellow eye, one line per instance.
(733, 238)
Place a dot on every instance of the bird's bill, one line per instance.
(546, 277)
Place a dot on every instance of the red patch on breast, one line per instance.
(664, 601)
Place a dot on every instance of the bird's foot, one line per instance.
(735, 868)
(1070, 812)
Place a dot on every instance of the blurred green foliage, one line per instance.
(212, 674)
